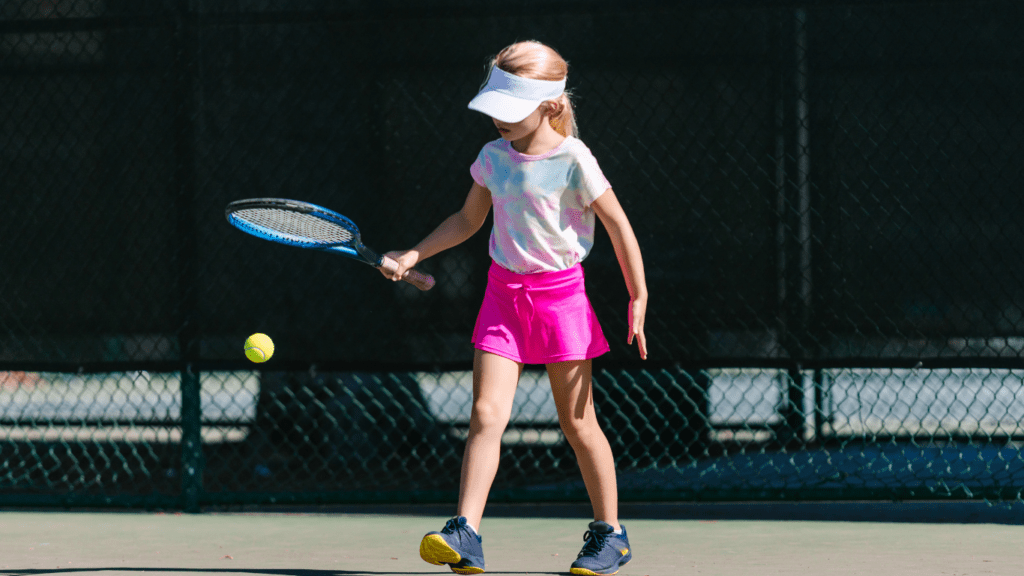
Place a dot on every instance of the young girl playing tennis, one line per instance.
(545, 188)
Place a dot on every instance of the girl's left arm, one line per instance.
(627, 250)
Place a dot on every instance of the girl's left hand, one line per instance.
(637, 313)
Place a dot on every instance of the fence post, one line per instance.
(184, 82)
(794, 235)
(191, 441)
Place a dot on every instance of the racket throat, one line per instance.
(370, 256)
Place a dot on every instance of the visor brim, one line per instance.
(503, 107)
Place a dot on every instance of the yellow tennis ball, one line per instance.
(259, 347)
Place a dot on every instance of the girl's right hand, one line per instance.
(637, 315)
(406, 260)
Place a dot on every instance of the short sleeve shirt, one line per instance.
(543, 218)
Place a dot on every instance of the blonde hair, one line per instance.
(532, 59)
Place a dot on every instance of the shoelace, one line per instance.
(593, 543)
(453, 525)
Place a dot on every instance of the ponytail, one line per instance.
(563, 119)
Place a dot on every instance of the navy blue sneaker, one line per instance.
(604, 552)
(455, 545)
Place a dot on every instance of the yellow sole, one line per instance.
(435, 550)
(470, 570)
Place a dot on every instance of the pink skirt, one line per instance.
(538, 318)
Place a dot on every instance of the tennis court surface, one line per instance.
(325, 544)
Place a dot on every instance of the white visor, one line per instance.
(510, 98)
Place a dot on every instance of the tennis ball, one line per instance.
(259, 347)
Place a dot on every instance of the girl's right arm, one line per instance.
(453, 231)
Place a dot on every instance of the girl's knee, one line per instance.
(488, 417)
(581, 430)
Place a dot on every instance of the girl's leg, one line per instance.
(572, 390)
(494, 386)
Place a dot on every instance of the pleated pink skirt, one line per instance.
(538, 318)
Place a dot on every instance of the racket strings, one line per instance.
(297, 226)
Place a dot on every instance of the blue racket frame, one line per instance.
(353, 248)
(350, 246)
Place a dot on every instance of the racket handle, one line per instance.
(412, 276)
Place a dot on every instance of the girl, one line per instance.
(545, 188)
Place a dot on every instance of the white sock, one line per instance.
(619, 531)
(473, 528)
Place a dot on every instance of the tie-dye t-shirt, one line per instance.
(543, 220)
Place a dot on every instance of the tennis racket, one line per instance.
(307, 225)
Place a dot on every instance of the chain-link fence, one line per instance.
(824, 194)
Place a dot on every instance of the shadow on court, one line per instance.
(279, 572)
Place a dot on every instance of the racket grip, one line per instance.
(412, 276)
